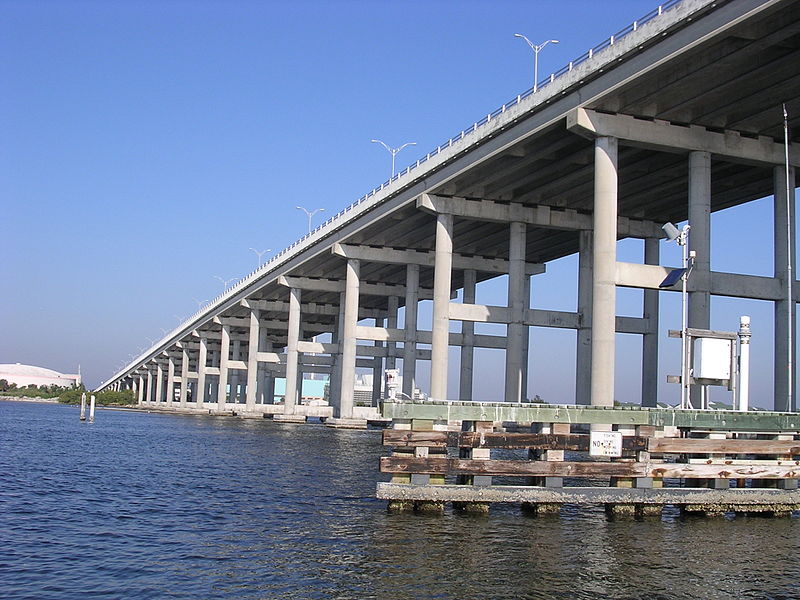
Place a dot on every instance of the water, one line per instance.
(142, 506)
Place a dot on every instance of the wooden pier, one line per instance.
(634, 461)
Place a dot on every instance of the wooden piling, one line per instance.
(91, 409)
(83, 407)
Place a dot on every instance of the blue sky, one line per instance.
(146, 146)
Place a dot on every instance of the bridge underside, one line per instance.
(680, 118)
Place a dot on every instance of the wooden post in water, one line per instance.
(91, 410)
(83, 406)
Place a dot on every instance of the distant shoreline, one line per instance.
(28, 399)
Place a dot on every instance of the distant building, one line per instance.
(25, 375)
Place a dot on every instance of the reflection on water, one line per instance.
(142, 505)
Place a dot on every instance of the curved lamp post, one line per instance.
(536, 49)
(393, 151)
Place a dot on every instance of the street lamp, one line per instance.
(309, 214)
(225, 282)
(260, 254)
(393, 151)
(681, 237)
(536, 49)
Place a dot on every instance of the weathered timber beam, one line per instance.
(543, 468)
(728, 446)
(538, 216)
(425, 258)
(663, 135)
(470, 439)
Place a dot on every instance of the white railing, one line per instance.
(342, 216)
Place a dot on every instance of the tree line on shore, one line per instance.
(67, 395)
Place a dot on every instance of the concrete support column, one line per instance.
(292, 355)
(526, 341)
(149, 394)
(650, 339)
(262, 371)
(391, 323)
(516, 329)
(140, 390)
(410, 339)
(335, 385)
(785, 251)
(252, 360)
(377, 370)
(170, 395)
(583, 352)
(224, 356)
(348, 341)
(604, 290)
(468, 340)
(700, 241)
(236, 354)
(184, 377)
(202, 363)
(159, 383)
(213, 388)
(442, 275)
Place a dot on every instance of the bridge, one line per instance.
(673, 118)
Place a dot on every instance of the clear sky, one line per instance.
(147, 145)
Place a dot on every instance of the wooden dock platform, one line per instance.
(633, 461)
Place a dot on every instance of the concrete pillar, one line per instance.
(583, 353)
(262, 371)
(516, 329)
(784, 251)
(468, 340)
(236, 354)
(348, 341)
(224, 356)
(377, 370)
(650, 339)
(391, 323)
(140, 391)
(252, 360)
(202, 363)
(700, 241)
(149, 394)
(604, 291)
(526, 342)
(170, 395)
(410, 339)
(184, 377)
(213, 388)
(335, 385)
(159, 383)
(440, 336)
(292, 355)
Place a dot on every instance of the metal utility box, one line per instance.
(712, 358)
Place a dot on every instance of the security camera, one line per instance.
(673, 233)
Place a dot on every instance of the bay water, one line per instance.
(143, 505)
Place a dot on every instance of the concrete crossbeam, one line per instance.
(310, 308)
(426, 258)
(338, 286)
(666, 136)
(539, 216)
(734, 285)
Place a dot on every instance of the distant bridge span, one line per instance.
(677, 116)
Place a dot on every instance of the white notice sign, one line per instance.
(605, 443)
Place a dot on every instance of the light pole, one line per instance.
(393, 151)
(681, 237)
(309, 214)
(536, 49)
(225, 282)
(260, 254)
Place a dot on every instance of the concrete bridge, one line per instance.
(675, 117)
